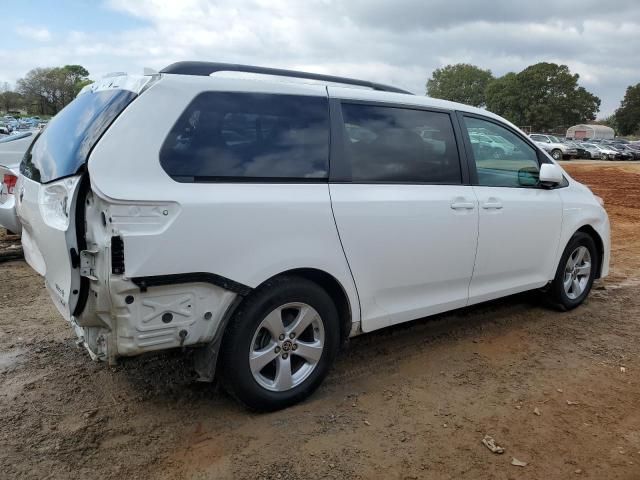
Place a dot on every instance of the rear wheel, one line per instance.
(280, 344)
(576, 272)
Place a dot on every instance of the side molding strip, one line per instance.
(195, 277)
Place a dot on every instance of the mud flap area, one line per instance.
(206, 357)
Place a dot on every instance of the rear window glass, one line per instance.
(64, 145)
(224, 136)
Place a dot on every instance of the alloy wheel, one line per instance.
(286, 347)
(577, 272)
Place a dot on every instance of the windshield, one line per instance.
(64, 145)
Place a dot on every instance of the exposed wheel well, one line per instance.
(589, 230)
(335, 291)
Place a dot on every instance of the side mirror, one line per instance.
(550, 174)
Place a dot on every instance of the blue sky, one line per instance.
(389, 41)
(59, 17)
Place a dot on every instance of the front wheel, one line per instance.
(576, 272)
(556, 154)
(280, 345)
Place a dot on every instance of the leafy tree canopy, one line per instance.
(51, 89)
(627, 117)
(544, 96)
(462, 83)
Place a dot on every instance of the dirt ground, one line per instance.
(408, 402)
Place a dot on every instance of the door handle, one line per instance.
(492, 203)
(462, 204)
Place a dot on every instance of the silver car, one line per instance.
(555, 147)
(12, 149)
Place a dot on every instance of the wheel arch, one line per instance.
(336, 291)
(589, 230)
(206, 358)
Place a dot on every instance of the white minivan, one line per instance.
(265, 216)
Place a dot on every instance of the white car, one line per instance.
(264, 219)
(12, 149)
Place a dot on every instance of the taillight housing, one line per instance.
(55, 201)
(10, 181)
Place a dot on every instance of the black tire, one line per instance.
(556, 154)
(557, 294)
(234, 368)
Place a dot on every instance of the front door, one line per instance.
(520, 221)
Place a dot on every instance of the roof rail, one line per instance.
(207, 68)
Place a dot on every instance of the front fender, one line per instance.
(580, 210)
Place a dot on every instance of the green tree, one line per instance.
(462, 83)
(503, 97)
(544, 95)
(627, 117)
(9, 100)
(77, 77)
(48, 90)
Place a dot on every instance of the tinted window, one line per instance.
(64, 145)
(509, 162)
(387, 144)
(248, 135)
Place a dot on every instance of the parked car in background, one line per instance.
(625, 153)
(635, 148)
(606, 152)
(496, 146)
(219, 225)
(591, 151)
(554, 146)
(12, 149)
(581, 152)
(11, 121)
(618, 148)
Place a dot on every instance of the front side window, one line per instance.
(224, 136)
(539, 138)
(509, 162)
(389, 144)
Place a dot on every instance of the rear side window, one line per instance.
(224, 136)
(64, 145)
(389, 144)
